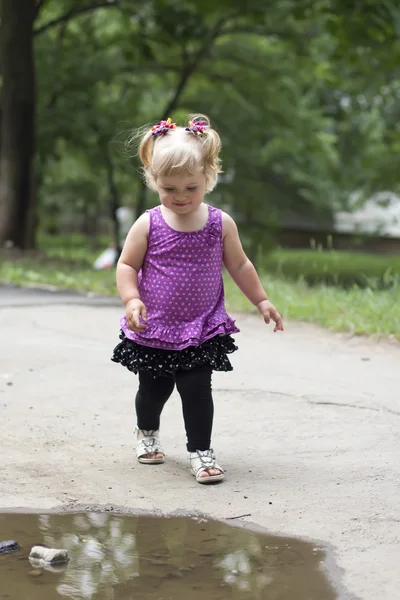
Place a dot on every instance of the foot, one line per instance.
(148, 448)
(204, 466)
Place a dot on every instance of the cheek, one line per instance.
(164, 197)
(197, 194)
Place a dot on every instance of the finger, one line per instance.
(131, 324)
(143, 313)
(135, 317)
(279, 324)
(136, 328)
(136, 324)
(267, 317)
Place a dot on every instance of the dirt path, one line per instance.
(307, 426)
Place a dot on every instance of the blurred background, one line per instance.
(305, 95)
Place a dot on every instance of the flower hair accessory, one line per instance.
(163, 127)
(197, 127)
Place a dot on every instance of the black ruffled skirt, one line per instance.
(159, 363)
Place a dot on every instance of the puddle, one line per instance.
(119, 557)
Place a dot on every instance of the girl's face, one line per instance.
(182, 194)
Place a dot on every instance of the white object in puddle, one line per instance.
(50, 556)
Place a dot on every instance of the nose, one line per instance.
(180, 197)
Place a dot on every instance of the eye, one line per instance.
(192, 189)
(169, 189)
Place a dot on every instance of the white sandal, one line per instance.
(202, 461)
(148, 442)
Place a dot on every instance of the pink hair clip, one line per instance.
(197, 127)
(163, 127)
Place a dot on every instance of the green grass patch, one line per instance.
(330, 267)
(359, 311)
(56, 272)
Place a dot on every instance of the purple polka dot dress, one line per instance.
(182, 288)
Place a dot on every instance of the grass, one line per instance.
(359, 311)
(58, 273)
(366, 310)
(344, 269)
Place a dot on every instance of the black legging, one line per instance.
(194, 387)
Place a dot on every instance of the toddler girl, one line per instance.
(176, 330)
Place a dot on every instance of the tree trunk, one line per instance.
(141, 200)
(17, 126)
(114, 200)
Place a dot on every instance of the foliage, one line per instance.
(290, 85)
(304, 92)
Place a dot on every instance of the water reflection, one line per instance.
(120, 558)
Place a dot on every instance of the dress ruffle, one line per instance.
(160, 362)
(191, 334)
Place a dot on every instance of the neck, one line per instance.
(191, 221)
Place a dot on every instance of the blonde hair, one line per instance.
(179, 152)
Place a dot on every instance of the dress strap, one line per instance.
(157, 223)
(214, 226)
(215, 215)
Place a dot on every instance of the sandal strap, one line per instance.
(203, 460)
(149, 443)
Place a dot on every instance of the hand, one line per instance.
(136, 315)
(268, 311)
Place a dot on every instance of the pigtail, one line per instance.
(211, 149)
(210, 142)
(141, 143)
(146, 147)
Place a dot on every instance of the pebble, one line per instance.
(9, 546)
(35, 573)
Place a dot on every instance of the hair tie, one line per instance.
(163, 127)
(197, 127)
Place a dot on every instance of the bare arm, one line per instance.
(128, 267)
(243, 273)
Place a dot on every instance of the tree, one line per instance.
(17, 125)
(180, 57)
(274, 76)
(18, 115)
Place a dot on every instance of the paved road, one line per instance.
(307, 426)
